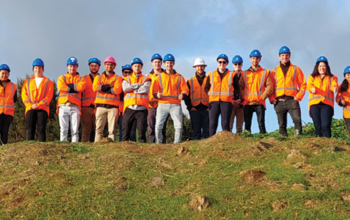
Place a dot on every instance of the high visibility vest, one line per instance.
(197, 94)
(288, 84)
(41, 96)
(153, 102)
(108, 98)
(132, 98)
(88, 96)
(221, 89)
(346, 96)
(255, 85)
(324, 90)
(7, 104)
(171, 86)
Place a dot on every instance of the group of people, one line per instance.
(143, 102)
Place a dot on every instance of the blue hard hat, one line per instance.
(223, 56)
(255, 53)
(72, 61)
(156, 56)
(38, 62)
(126, 67)
(284, 49)
(4, 67)
(136, 60)
(347, 70)
(95, 60)
(237, 59)
(322, 59)
(169, 57)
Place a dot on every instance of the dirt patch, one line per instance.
(157, 181)
(311, 204)
(223, 136)
(298, 187)
(345, 196)
(271, 140)
(199, 202)
(182, 151)
(346, 169)
(279, 205)
(253, 176)
(295, 154)
(153, 149)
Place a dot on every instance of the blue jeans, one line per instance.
(200, 120)
(175, 112)
(322, 115)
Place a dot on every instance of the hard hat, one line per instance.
(38, 62)
(347, 70)
(199, 62)
(284, 49)
(322, 59)
(72, 61)
(156, 56)
(169, 57)
(126, 67)
(95, 60)
(4, 67)
(255, 53)
(237, 59)
(110, 59)
(223, 56)
(136, 60)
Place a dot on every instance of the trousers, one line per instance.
(200, 124)
(151, 126)
(88, 122)
(103, 116)
(237, 113)
(322, 115)
(215, 109)
(248, 115)
(292, 107)
(69, 115)
(130, 117)
(33, 118)
(5, 122)
(175, 112)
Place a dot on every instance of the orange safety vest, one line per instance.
(346, 96)
(41, 96)
(255, 85)
(108, 98)
(324, 90)
(288, 84)
(132, 98)
(221, 89)
(153, 102)
(198, 94)
(88, 96)
(7, 104)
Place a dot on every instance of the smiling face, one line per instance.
(284, 58)
(72, 69)
(169, 65)
(137, 67)
(200, 69)
(127, 72)
(157, 64)
(94, 68)
(255, 61)
(222, 63)
(38, 71)
(109, 67)
(4, 75)
(322, 68)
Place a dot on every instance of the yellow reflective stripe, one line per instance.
(262, 81)
(128, 96)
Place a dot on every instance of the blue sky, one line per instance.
(55, 30)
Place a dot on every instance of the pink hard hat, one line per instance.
(110, 59)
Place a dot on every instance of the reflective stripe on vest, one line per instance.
(288, 88)
(177, 89)
(220, 93)
(325, 97)
(192, 92)
(261, 84)
(30, 99)
(128, 96)
(12, 94)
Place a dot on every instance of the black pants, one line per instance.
(33, 117)
(248, 115)
(215, 109)
(132, 132)
(5, 122)
(200, 121)
(322, 115)
(141, 119)
(347, 125)
(151, 121)
(292, 107)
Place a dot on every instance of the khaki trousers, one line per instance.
(237, 112)
(88, 121)
(103, 116)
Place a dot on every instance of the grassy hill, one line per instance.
(224, 177)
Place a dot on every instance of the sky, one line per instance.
(56, 30)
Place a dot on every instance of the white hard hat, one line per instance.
(199, 62)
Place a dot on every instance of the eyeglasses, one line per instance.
(127, 72)
(222, 62)
(237, 64)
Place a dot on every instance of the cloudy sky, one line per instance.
(55, 30)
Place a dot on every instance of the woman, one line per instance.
(37, 93)
(343, 98)
(8, 97)
(322, 85)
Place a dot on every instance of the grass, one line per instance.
(116, 180)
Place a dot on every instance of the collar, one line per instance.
(161, 70)
(285, 65)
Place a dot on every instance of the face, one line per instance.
(94, 67)
(72, 69)
(222, 63)
(347, 77)
(255, 60)
(157, 64)
(169, 65)
(38, 71)
(137, 67)
(109, 67)
(200, 69)
(4, 75)
(284, 58)
(127, 72)
(322, 68)
(237, 66)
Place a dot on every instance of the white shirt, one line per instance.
(38, 81)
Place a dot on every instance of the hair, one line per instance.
(316, 73)
(344, 86)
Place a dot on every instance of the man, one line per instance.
(197, 101)
(108, 86)
(136, 89)
(70, 87)
(88, 119)
(237, 111)
(126, 71)
(257, 86)
(290, 86)
(220, 88)
(153, 102)
(169, 88)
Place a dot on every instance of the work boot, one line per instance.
(296, 132)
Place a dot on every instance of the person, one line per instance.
(88, 119)
(322, 85)
(136, 88)
(169, 88)
(343, 98)
(197, 101)
(289, 89)
(108, 87)
(37, 93)
(126, 71)
(8, 97)
(237, 111)
(220, 88)
(70, 87)
(156, 61)
(257, 86)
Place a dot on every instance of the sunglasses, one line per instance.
(222, 62)
(237, 64)
(127, 72)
